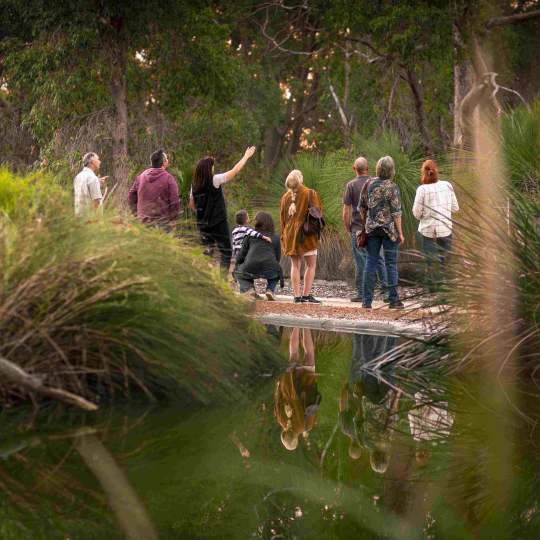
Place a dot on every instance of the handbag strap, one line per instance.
(364, 188)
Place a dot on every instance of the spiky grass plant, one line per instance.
(521, 147)
(109, 308)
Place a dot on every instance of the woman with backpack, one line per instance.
(207, 200)
(301, 224)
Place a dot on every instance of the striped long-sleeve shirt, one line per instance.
(238, 235)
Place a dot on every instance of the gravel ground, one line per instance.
(331, 289)
(337, 312)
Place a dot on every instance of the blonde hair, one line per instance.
(289, 407)
(292, 183)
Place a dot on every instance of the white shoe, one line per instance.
(270, 296)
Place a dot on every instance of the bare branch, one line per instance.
(512, 19)
(342, 113)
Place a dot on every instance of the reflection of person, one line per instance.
(294, 207)
(430, 422)
(368, 406)
(296, 398)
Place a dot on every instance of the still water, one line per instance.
(322, 449)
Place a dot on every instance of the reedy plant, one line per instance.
(110, 308)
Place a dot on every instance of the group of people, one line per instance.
(372, 206)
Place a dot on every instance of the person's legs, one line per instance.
(223, 240)
(373, 249)
(429, 249)
(309, 273)
(359, 257)
(445, 247)
(390, 257)
(382, 278)
(296, 262)
(245, 284)
(271, 284)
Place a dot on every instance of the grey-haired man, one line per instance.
(87, 185)
(353, 223)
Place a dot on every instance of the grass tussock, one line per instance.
(110, 309)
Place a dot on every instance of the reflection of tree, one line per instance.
(125, 503)
(296, 397)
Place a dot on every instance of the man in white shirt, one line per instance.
(87, 185)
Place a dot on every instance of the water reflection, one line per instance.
(368, 406)
(390, 454)
(297, 398)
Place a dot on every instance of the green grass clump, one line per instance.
(521, 147)
(102, 309)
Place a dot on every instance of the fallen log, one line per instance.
(16, 375)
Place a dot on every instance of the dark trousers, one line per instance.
(248, 283)
(375, 240)
(436, 252)
(219, 235)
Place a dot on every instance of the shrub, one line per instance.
(104, 308)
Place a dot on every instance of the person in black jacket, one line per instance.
(259, 259)
(207, 200)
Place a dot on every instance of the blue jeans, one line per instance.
(360, 256)
(375, 241)
(246, 284)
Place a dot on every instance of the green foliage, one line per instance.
(521, 147)
(102, 308)
(21, 196)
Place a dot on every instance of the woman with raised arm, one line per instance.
(207, 200)
(294, 208)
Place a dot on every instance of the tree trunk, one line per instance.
(463, 78)
(419, 110)
(118, 89)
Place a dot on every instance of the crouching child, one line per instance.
(259, 258)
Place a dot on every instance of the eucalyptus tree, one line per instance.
(67, 60)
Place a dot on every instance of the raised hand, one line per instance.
(250, 151)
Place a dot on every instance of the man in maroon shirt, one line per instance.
(153, 197)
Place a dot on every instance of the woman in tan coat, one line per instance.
(293, 211)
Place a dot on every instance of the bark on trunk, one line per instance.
(118, 89)
(419, 110)
(463, 78)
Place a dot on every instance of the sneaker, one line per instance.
(310, 299)
(366, 306)
(270, 295)
(357, 299)
(297, 300)
(397, 305)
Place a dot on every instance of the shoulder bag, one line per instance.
(314, 222)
